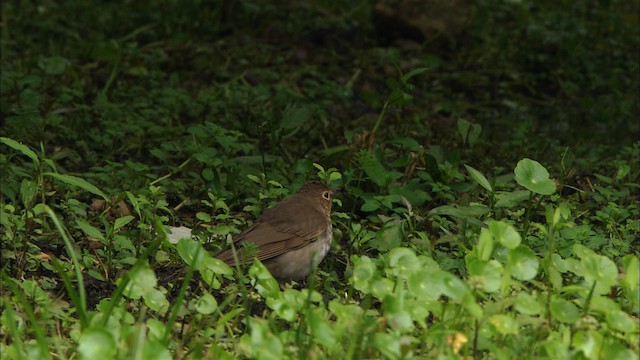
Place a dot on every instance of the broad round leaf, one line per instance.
(155, 350)
(156, 300)
(188, 249)
(564, 310)
(504, 324)
(381, 287)
(449, 285)
(618, 351)
(363, 271)
(403, 261)
(388, 345)
(533, 176)
(486, 273)
(523, 263)
(96, 344)
(421, 284)
(321, 329)
(215, 265)
(589, 342)
(142, 280)
(621, 321)
(506, 234)
(527, 304)
(601, 269)
(206, 304)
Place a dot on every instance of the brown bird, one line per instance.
(292, 237)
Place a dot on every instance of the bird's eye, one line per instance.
(326, 195)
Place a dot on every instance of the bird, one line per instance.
(292, 237)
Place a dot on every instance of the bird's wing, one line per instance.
(297, 215)
(269, 241)
(290, 224)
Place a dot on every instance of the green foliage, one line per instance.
(449, 241)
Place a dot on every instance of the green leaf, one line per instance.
(450, 285)
(469, 131)
(485, 274)
(204, 217)
(557, 347)
(370, 205)
(54, 65)
(155, 350)
(631, 273)
(188, 249)
(206, 304)
(616, 350)
(623, 170)
(421, 284)
(504, 324)
(295, 116)
(267, 345)
(506, 234)
(473, 308)
(79, 182)
(388, 345)
(527, 304)
(321, 329)
(589, 342)
(90, 230)
(468, 213)
(601, 269)
(96, 344)
(25, 150)
(374, 169)
(208, 174)
(28, 191)
(403, 261)
(479, 178)
(417, 71)
(621, 321)
(564, 310)
(216, 266)
(363, 271)
(523, 263)
(389, 237)
(122, 221)
(266, 285)
(582, 251)
(155, 300)
(484, 248)
(511, 199)
(533, 176)
(381, 287)
(254, 178)
(142, 280)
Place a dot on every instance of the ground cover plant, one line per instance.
(489, 180)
